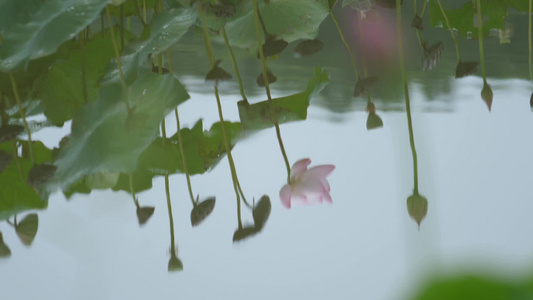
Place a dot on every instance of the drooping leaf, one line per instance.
(100, 141)
(364, 85)
(51, 23)
(261, 212)
(244, 233)
(308, 47)
(166, 28)
(202, 211)
(417, 22)
(218, 74)
(273, 46)
(465, 68)
(174, 264)
(144, 213)
(291, 108)
(486, 95)
(417, 207)
(4, 249)
(261, 80)
(27, 229)
(531, 100)
(373, 121)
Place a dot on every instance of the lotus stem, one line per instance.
(267, 87)
(451, 30)
(365, 73)
(22, 114)
(16, 158)
(170, 218)
(480, 38)
(132, 192)
(234, 61)
(122, 26)
(406, 93)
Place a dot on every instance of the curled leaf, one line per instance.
(417, 206)
(144, 213)
(373, 121)
(27, 229)
(270, 77)
(531, 100)
(261, 212)
(217, 74)
(273, 46)
(4, 249)
(10, 132)
(364, 85)
(5, 160)
(486, 95)
(308, 47)
(244, 233)
(202, 210)
(417, 22)
(174, 264)
(466, 68)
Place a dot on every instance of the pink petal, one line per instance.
(285, 196)
(321, 171)
(309, 186)
(299, 168)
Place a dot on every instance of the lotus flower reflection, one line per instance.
(307, 186)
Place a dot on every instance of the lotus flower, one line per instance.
(307, 186)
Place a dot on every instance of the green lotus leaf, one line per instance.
(27, 229)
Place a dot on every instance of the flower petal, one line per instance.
(299, 168)
(321, 171)
(285, 195)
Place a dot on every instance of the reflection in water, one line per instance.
(417, 205)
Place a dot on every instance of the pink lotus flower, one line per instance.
(306, 186)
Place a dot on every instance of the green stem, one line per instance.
(170, 218)
(529, 41)
(480, 38)
(352, 58)
(222, 123)
(406, 93)
(22, 114)
(117, 57)
(83, 67)
(234, 61)
(183, 160)
(132, 192)
(415, 6)
(451, 30)
(423, 8)
(267, 87)
(365, 73)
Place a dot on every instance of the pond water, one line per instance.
(428, 168)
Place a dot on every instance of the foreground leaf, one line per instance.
(51, 23)
(4, 249)
(202, 211)
(261, 212)
(100, 141)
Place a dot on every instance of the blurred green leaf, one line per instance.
(27, 229)
(261, 212)
(417, 207)
(373, 121)
(16, 195)
(61, 89)
(130, 7)
(4, 249)
(244, 233)
(102, 180)
(291, 108)
(174, 264)
(202, 211)
(100, 141)
(166, 28)
(43, 30)
(144, 213)
(288, 20)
